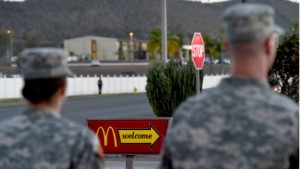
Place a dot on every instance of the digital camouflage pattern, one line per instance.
(241, 124)
(249, 21)
(39, 63)
(38, 139)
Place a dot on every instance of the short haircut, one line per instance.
(39, 90)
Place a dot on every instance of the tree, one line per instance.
(167, 86)
(285, 70)
(154, 43)
(212, 46)
(31, 40)
(120, 51)
(4, 37)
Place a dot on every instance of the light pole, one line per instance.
(9, 32)
(131, 46)
(164, 30)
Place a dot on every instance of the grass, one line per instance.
(11, 102)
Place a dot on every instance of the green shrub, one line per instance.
(169, 85)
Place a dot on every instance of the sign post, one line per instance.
(130, 136)
(197, 81)
(129, 161)
(198, 56)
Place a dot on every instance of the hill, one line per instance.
(56, 20)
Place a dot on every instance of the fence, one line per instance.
(11, 87)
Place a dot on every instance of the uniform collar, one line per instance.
(245, 82)
(41, 112)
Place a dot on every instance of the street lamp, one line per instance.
(131, 46)
(9, 56)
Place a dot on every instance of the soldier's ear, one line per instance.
(267, 46)
(270, 49)
(63, 89)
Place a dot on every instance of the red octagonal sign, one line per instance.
(198, 50)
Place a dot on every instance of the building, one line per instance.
(93, 48)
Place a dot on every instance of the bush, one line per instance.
(285, 70)
(167, 86)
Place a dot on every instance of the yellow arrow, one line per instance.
(138, 136)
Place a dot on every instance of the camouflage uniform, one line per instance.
(39, 138)
(241, 124)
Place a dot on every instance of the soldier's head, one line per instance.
(251, 35)
(45, 71)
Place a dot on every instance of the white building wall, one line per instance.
(80, 46)
(11, 87)
(107, 48)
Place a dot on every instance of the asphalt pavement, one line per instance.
(95, 107)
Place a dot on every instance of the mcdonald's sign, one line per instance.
(105, 135)
(130, 136)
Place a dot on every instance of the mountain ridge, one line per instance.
(56, 20)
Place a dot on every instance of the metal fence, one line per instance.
(88, 85)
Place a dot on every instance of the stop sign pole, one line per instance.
(198, 56)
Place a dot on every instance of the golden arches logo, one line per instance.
(105, 135)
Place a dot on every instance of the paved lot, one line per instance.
(81, 108)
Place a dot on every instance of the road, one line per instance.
(111, 106)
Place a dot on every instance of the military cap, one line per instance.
(40, 63)
(246, 21)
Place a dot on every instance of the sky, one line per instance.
(204, 1)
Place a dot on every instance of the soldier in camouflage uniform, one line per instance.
(39, 138)
(242, 123)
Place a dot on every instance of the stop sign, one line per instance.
(198, 50)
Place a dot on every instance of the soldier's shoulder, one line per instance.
(13, 121)
(204, 102)
(75, 127)
(204, 98)
(283, 102)
(79, 132)
(85, 137)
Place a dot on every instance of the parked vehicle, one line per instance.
(223, 61)
(209, 60)
(14, 76)
(95, 63)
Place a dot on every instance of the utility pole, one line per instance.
(9, 32)
(164, 30)
(131, 46)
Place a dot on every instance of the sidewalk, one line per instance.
(140, 162)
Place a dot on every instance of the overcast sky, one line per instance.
(205, 1)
